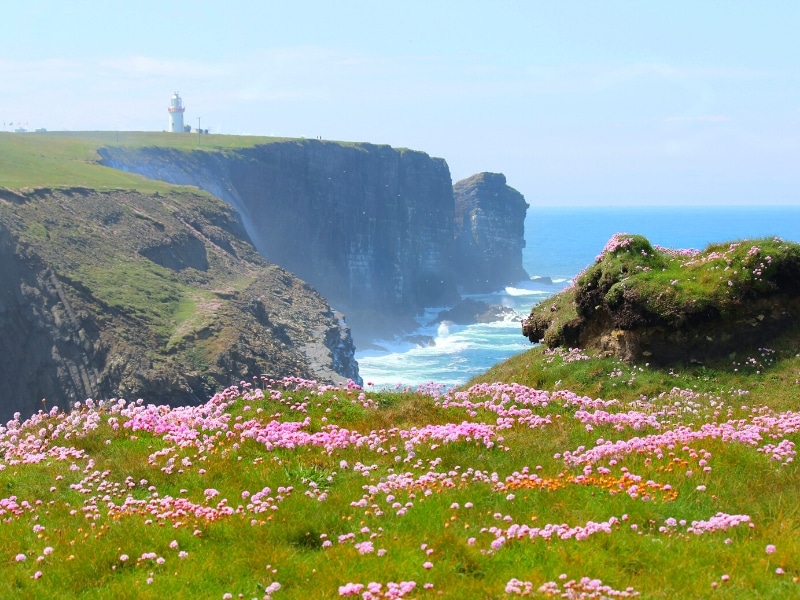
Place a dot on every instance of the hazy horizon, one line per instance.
(579, 104)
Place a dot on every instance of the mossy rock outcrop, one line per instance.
(651, 304)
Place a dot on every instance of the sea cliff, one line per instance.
(377, 230)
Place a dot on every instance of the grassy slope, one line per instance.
(246, 551)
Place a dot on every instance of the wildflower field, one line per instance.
(663, 484)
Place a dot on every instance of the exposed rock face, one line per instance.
(121, 294)
(371, 227)
(490, 232)
(48, 345)
(711, 338)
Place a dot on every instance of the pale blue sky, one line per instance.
(598, 103)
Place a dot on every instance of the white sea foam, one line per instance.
(456, 354)
(514, 291)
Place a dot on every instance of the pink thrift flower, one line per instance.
(770, 549)
(20, 558)
(427, 565)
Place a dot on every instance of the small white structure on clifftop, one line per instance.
(176, 110)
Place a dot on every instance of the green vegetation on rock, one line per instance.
(638, 301)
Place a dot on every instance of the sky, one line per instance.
(577, 103)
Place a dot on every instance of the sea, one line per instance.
(560, 243)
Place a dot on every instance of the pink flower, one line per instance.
(427, 565)
(123, 557)
(20, 558)
(351, 589)
(770, 549)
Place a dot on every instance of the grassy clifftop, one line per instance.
(66, 159)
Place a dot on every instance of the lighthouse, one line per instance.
(176, 114)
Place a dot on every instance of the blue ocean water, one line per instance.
(560, 243)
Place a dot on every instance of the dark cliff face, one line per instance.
(368, 226)
(490, 232)
(47, 345)
(120, 294)
(371, 227)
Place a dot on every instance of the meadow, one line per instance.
(602, 480)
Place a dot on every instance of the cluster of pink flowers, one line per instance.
(566, 356)
(399, 480)
(549, 531)
(374, 590)
(719, 522)
(584, 588)
(679, 253)
(712, 256)
(617, 242)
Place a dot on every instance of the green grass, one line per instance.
(445, 499)
(69, 159)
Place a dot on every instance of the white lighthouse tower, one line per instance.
(176, 114)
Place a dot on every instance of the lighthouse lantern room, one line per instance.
(176, 114)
